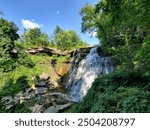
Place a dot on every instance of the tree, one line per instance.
(8, 29)
(34, 37)
(66, 40)
(122, 32)
(58, 30)
(91, 22)
(9, 58)
(8, 34)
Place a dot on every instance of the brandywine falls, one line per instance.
(89, 68)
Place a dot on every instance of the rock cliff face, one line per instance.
(54, 51)
(43, 96)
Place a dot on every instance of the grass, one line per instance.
(21, 78)
(61, 59)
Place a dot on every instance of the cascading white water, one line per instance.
(89, 69)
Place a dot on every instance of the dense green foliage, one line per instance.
(61, 39)
(123, 29)
(16, 66)
(66, 40)
(116, 93)
(33, 38)
(21, 77)
(8, 34)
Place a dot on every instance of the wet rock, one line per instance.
(16, 99)
(52, 87)
(19, 94)
(48, 102)
(57, 108)
(7, 100)
(61, 101)
(36, 108)
(43, 96)
(59, 95)
(51, 109)
(30, 95)
(29, 90)
(41, 90)
(40, 99)
(41, 84)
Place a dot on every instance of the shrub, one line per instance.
(116, 93)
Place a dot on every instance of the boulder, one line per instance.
(41, 90)
(29, 90)
(41, 84)
(19, 94)
(16, 99)
(51, 109)
(7, 100)
(44, 76)
(30, 95)
(36, 108)
(57, 108)
(63, 69)
(61, 101)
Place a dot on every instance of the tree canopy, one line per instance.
(34, 37)
(8, 34)
(123, 28)
(66, 40)
(9, 57)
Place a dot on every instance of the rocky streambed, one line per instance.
(42, 97)
(47, 93)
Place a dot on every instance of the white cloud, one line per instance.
(58, 12)
(93, 34)
(29, 24)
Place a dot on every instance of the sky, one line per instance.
(47, 14)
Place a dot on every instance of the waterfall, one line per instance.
(88, 70)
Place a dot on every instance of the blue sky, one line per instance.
(46, 14)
